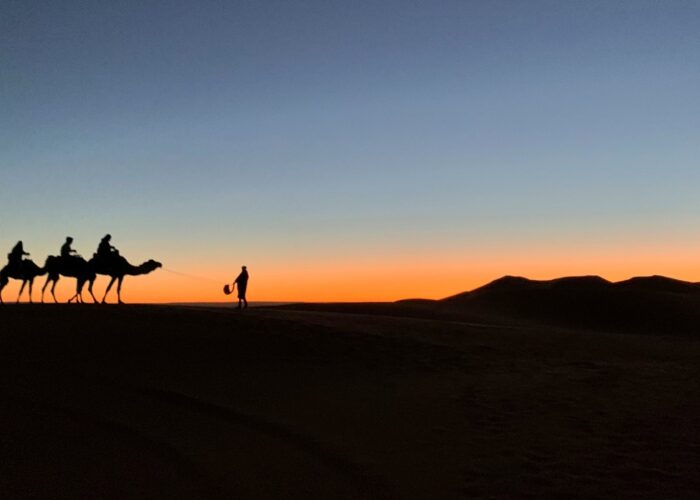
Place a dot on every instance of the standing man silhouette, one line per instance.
(242, 282)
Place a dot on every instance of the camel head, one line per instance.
(150, 266)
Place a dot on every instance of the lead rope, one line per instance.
(191, 276)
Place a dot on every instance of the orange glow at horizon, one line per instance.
(387, 278)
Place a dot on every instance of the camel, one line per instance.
(74, 267)
(120, 268)
(26, 272)
(87, 271)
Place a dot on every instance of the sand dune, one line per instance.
(652, 305)
(178, 402)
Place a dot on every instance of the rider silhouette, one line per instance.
(66, 250)
(105, 252)
(15, 256)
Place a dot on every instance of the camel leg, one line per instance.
(81, 284)
(2, 285)
(119, 289)
(31, 286)
(109, 287)
(51, 278)
(76, 296)
(21, 290)
(94, 299)
(43, 288)
(53, 291)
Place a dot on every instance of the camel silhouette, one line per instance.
(26, 272)
(73, 267)
(87, 271)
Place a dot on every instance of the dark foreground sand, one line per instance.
(175, 402)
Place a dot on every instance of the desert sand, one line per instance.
(524, 389)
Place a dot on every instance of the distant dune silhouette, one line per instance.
(652, 305)
(578, 284)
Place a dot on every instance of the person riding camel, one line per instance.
(16, 255)
(105, 252)
(66, 251)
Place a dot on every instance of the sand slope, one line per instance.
(175, 402)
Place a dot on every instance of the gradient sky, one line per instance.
(365, 150)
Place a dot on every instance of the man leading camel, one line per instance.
(242, 282)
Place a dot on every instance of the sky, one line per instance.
(365, 150)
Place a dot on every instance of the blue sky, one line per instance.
(280, 128)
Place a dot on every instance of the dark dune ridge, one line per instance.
(654, 305)
(472, 396)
